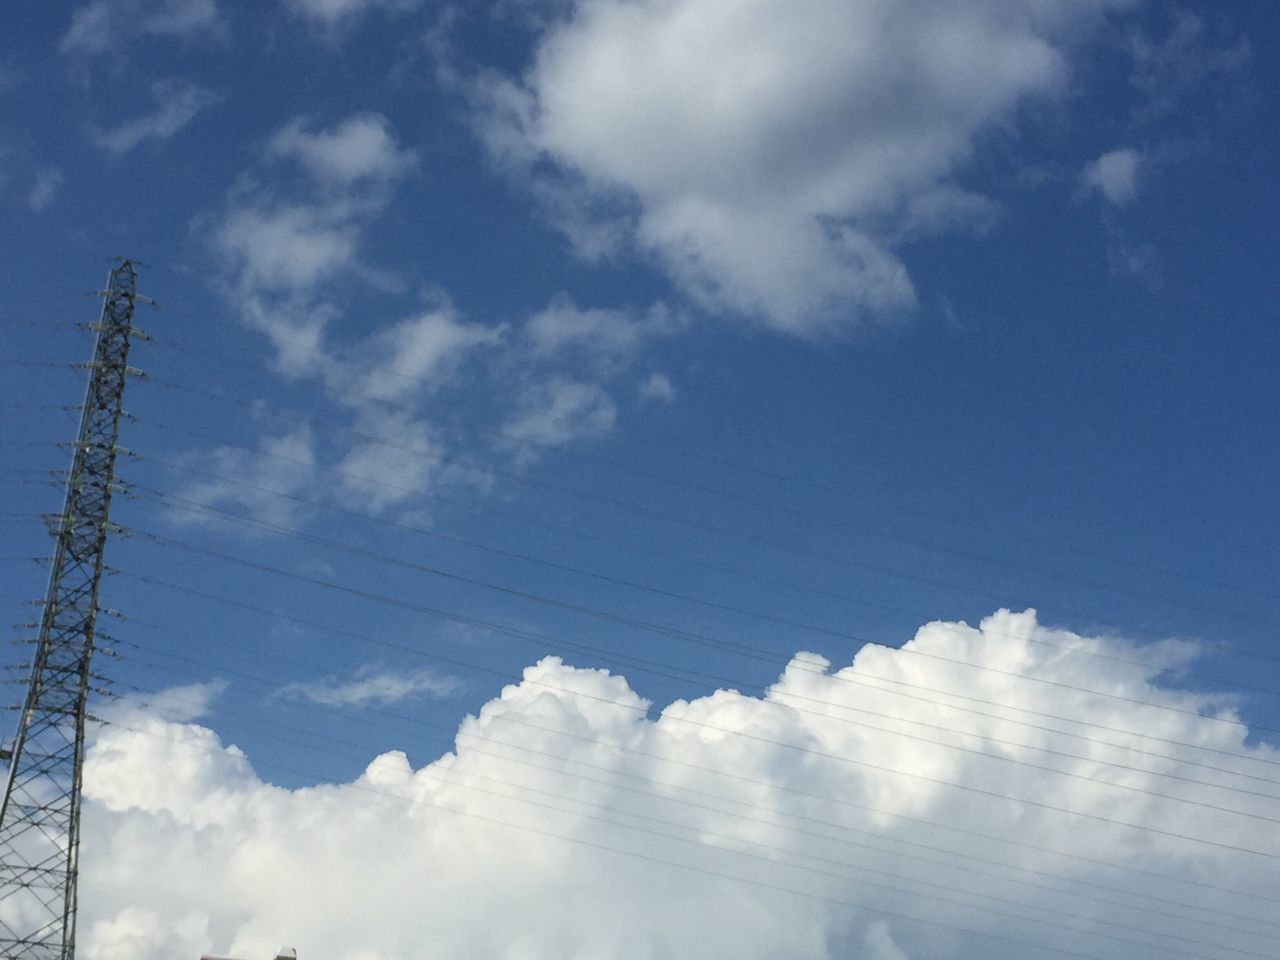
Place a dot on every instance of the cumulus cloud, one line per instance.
(571, 819)
(1115, 175)
(97, 26)
(360, 148)
(177, 103)
(371, 687)
(771, 156)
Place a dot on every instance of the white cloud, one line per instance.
(770, 155)
(658, 387)
(1115, 175)
(329, 13)
(287, 247)
(371, 687)
(418, 354)
(45, 188)
(285, 464)
(608, 339)
(557, 411)
(282, 246)
(175, 705)
(97, 26)
(360, 148)
(178, 102)
(558, 825)
(398, 464)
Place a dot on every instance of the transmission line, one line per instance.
(790, 480)
(660, 629)
(819, 753)
(773, 861)
(413, 725)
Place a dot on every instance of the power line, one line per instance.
(794, 480)
(799, 549)
(1043, 749)
(515, 632)
(762, 654)
(648, 626)
(773, 862)
(809, 751)
(713, 528)
(772, 658)
(609, 578)
(414, 723)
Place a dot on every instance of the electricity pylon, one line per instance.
(40, 816)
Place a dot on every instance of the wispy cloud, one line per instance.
(658, 387)
(332, 13)
(177, 103)
(45, 188)
(371, 687)
(97, 26)
(1168, 68)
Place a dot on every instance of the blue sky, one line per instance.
(786, 331)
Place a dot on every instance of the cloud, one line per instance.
(371, 687)
(178, 102)
(607, 339)
(398, 464)
(772, 157)
(45, 188)
(329, 13)
(97, 26)
(360, 148)
(289, 242)
(284, 463)
(658, 387)
(1115, 175)
(557, 411)
(1167, 69)
(287, 247)
(183, 704)
(417, 355)
(281, 244)
(571, 819)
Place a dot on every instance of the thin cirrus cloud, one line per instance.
(332, 13)
(371, 687)
(44, 190)
(96, 27)
(832, 816)
(177, 104)
(772, 157)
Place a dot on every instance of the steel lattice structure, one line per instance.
(40, 817)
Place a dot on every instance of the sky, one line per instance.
(662, 478)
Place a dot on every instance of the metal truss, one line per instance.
(40, 816)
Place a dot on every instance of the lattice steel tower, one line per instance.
(40, 817)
